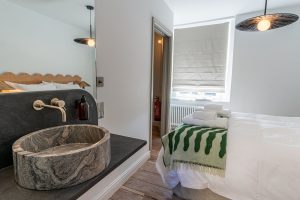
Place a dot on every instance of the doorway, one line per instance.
(160, 83)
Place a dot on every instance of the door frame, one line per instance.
(157, 26)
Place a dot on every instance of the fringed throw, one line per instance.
(201, 148)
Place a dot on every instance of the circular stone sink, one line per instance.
(61, 156)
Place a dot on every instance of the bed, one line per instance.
(263, 161)
(24, 82)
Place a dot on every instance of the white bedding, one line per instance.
(263, 161)
(44, 86)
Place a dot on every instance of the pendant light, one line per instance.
(88, 41)
(267, 21)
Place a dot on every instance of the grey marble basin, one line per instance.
(61, 156)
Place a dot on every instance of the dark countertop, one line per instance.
(121, 149)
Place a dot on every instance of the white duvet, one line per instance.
(263, 161)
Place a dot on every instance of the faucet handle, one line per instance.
(38, 105)
(57, 102)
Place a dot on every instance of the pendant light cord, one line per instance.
(266, 5)
(91, 36)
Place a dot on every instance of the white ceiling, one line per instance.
(68, 11)
(185, 11)
(189, 11)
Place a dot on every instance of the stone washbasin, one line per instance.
(60, 157)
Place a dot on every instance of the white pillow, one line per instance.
(67, 86)
(31, 87)
(213, 107)
(205, 115)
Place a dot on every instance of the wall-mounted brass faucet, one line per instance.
(55, 104)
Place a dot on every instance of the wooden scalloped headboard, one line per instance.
(25, 78)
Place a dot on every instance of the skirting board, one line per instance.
(112, 182)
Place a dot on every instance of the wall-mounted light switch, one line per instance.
(99, 81)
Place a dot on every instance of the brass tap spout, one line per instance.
(56, 104)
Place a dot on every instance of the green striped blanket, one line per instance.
(202, 147)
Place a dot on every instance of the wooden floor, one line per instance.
(146, 184)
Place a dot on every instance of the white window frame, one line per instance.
(230, 48)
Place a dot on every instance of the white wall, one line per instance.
(124, 59)
(266, 69)
(33, 43)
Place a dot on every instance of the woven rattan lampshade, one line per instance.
(267, 21)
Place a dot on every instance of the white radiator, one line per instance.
(178, 112)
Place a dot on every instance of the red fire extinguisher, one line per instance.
(157, 108)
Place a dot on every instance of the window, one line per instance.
(202, 62)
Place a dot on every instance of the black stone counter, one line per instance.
(121, 149)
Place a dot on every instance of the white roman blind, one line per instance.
(200, 55)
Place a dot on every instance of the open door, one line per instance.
(160, 80)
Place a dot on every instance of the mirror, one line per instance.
(37, 37)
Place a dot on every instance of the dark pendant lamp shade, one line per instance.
(88, 41)
(267, 21)
(83, 40)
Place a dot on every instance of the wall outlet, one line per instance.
(99, 81)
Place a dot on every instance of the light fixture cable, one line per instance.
(266, 5)
(91, 35)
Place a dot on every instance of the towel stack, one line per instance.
(222, 113)
(212, 115)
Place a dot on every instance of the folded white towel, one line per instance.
(214, 107)
(217, 123)
(224, 113)
(200, 108)
(205, 115)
